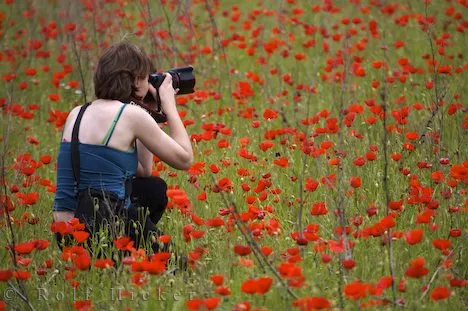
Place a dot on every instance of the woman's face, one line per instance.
(142, 86)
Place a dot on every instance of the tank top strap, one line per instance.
(108, 136)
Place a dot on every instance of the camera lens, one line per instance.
(183, 79)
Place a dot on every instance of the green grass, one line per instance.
(172, 291)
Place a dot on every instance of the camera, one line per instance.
(182, 79)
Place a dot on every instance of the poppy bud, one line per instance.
(444, 161)
(371, 211)
(454, 233)
(326, 258)
(301, 241)
(349, 263)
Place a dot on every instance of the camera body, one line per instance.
(182, 79)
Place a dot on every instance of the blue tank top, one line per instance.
(101, 167)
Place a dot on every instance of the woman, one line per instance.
(117, 141)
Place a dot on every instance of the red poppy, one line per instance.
(124, 243)
(359, 161)
(312, 303)
(83, 305)
(265, 145)
(356, 290)
(194, 304)
(214, 168)
(202, 304)
(197, 234)
(349, 263)
(61, 227)
(246, 262)
(311, 185)
(41, 244)
(223, 143)
(223, 291)
(329, 180)
(411, 135)
(80, 236)
(417, 268)
(212, 303)
(270, 114)
(22, 275)
(258, 286)
(264, 284)
(154, 266)
(24, 248)
(455, 232)
(395, 205)
(459, 172)
(402, 286)
(385, 282)
(197, 168)
(387, 222)
(30, 72)
(326, 258)
(225, 184)
(202, 196)
(46, 159)
(318, 209)
(5, 275)
(441, 244)
(244, 90)
(164, 238)
(424, 217)
(54, 97)
(197, 220)
(440, 293)
(355, 181)
(242, 250)
(414, 236)
(103, 263)
(217, 279)
(28, 198)
(82, 261)
(139, 279)
(249, 286)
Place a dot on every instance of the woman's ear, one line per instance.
(137, 82)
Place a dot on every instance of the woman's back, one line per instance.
(101, 168)
(102, 165)
(96, 123)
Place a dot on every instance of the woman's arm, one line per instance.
(176, 149)
(145, 160)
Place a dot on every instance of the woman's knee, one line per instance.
(150, 192)
(149, 187)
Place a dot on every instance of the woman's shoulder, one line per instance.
(75, 111)
(72, 115)
(136, 111)
(135, 107)
(132, 111)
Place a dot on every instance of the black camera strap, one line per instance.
(75, 152)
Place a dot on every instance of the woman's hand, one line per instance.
(166, 94)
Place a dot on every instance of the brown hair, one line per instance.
(117, 70)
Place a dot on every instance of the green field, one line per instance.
(330, 171)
